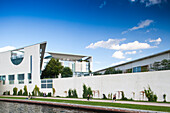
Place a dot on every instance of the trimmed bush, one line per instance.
(49, 94)
(15, 90)
(20, 92)
(104, 96)
(25, 91)
(72, 93)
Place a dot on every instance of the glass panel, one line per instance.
(20, 76)
(49, 81)
(11, 77)
(3, 77)
(49, 85)
(3, 82)
(11, 81)
(29, 76)
(21, 82)
(43, 85)
(43, 81)
(30, 81)
(0, 77)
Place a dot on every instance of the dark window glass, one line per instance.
(49, 81)
(20, 76)
(49, 85)
(29, 76)
(43, 81)
(43, 85)
(11, 77)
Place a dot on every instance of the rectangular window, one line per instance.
(43, 85)
(3, 79)
(11, 79)
(0, 77)
(49, 81)
(49, 85)
(43, 81)
(29, 78)
(20, 78)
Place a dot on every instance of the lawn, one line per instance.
(106, 104)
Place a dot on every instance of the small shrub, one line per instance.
(72, 93)
(86, 91)
(150, 95)
(25, 91)
(41, 94)
(49, 94)
(164, 97)
(8, 92)
(4, 93)
(53, 91)
(104, 96)
(36, 91)
(123, 96)
(20, 92)
(15, 90)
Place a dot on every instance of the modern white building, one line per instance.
(23, 66)
(140, 65)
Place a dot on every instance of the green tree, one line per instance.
(15, 90)
(156, 65)
(112, 71)
(66, 72)
(25, 91)
(164, 63)
(52, 69)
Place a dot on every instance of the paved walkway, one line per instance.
(94, 100)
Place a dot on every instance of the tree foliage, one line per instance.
(52, 69)
(66, 72)
(53, 91)
(112, 71)
(86, 91)
(163, 65)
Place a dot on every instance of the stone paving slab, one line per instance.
(78, 106)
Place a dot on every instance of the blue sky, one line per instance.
(112, 31)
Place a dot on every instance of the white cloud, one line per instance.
(114, 44)
(140, 25)
(132, 0)
(128, 59)
(117, 63)
(152, 2)
(103, 4)
(111, 43)
(157, 41)
(7, 48)
(118, 54)
(140, 51)
(131, 52)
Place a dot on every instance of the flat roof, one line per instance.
(150, 56)
(67, 57)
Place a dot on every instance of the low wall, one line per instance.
(132, 84)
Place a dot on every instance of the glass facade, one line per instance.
(137, 69)
(29, 78)
(11, 79)
(20, 78)
(46, 83)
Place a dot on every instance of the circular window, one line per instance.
(17, 56)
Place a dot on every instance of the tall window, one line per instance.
(3, 78)
(20, 78)
(11, 79)
(29, 78)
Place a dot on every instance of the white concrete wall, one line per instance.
(8, 68)
(159, 81)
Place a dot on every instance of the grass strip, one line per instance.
(106, 104)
